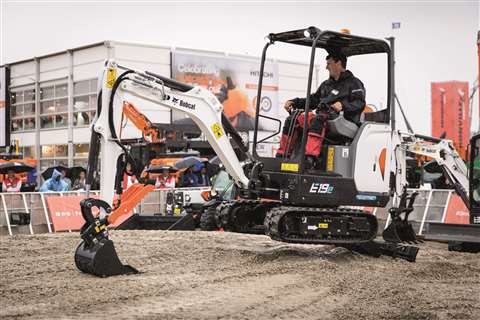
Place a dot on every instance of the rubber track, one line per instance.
(229, 221)
(274, 218)
(207, 220)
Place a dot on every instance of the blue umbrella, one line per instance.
(198, 166)
(188, 162)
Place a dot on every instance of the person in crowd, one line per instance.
(32, 177)
(54, 184)
(11, 183)
(79, 183)
(129, 177)
(189, 178)
(203, 178)
(165, 180)
(66, 179)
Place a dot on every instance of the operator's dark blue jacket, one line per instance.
(347, 89)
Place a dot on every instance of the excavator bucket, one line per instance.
(101, 259)
(96, 254)
(399, 231)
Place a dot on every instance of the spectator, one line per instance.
(165, 180)
(32, 176)
(54, 184)
(203, 178)
(189, 178)
(128, 177)
(11, 183)
(79, 183)
(66, 179)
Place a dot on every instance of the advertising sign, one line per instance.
(65, 212)
(66, 215)
(456, 211)
(450, 113)
(234, 83)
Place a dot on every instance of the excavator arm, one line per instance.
(137, 88)
(441, 151)
(123, 93)
(149, 132)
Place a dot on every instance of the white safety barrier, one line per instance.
(35, 205)
(430, 206)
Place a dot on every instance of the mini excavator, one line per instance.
(283, 197)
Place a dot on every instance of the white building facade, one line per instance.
(53, 98)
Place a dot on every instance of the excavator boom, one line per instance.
(122, 93)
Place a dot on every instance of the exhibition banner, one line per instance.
(234, 81)
(457, 212)
(65, 212)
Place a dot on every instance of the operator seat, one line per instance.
(343, 128)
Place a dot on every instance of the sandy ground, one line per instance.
(217, 275)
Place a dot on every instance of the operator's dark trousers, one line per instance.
(317, 124)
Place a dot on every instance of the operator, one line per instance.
(340, 92)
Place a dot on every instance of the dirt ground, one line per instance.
(219, 275)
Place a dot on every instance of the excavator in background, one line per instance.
(463, 237)
(286, 199)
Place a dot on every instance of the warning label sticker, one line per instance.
(111, 76)
(217, 130)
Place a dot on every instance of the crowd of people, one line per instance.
(58, 182)
(194, 176)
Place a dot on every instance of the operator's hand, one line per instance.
(288, 106)
(337, 106)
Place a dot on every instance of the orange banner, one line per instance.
(65, 212)
(456, 211)
(66, 215)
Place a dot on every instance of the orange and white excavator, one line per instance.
(288, 200)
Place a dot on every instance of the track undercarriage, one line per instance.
(350, 228)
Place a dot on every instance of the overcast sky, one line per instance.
(436, 41)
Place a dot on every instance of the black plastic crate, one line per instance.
(19, 218)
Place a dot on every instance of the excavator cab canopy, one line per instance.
(349, 45)
(333, 42)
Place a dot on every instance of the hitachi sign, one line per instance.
(265, 74)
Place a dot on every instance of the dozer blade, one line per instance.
(399, 231)
(100, 259)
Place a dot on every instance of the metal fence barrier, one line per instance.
(430, 206)
(34, 204)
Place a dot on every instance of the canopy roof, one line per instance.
(349, 45)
